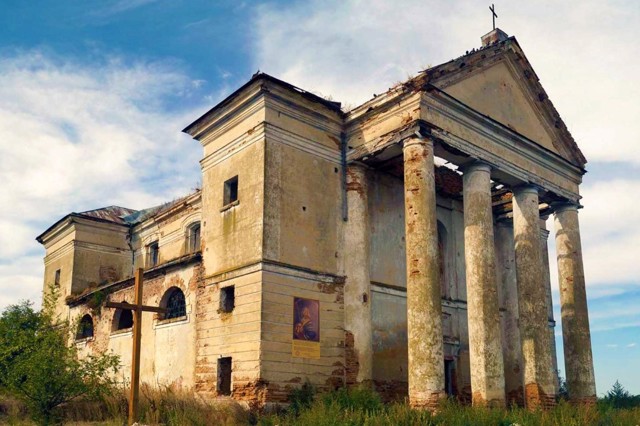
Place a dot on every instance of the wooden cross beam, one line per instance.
(137, 309)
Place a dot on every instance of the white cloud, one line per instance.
(76, 136)
(631, 345)
(581, 52)
(612, 345)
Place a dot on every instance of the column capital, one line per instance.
(563, 206)
(477, 165)
(526, 188)
(417, 140)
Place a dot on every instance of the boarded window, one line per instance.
(152, 254)
(85, 328)
(56, 280)
(230, 191)
(175, 304)
(194, 238)
(227, 298)
(224, 376)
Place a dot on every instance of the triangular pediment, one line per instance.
(499, 82)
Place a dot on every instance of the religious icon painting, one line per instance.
(306, 328)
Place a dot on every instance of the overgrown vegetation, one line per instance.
(42, 381)
(39, 369)
(363, 407)
(167, 406)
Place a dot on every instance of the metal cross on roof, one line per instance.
(493, 12)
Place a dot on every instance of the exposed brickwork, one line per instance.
(535, 398)
(253, 392)
(352, 366)
(429, 401)
(516, 397)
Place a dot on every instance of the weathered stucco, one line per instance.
(422, 286)
(539, 388)
(424, 311)
(487, 368)
(573, 300)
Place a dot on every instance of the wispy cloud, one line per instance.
(612, 345)
(76, 136)
(120, 6)
(631, 345)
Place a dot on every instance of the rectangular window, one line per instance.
(152, 254)
(194, 238)
(56, 280)
(224, 376)
(227, 298)
(230, 191)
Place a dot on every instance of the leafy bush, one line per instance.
(39, 368)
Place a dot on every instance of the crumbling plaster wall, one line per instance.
(168, 346)
(234, 334)
(170, 230)
(232, 235)
(388, 272)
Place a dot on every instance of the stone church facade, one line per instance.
(401, 245)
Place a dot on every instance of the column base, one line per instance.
(479, 401)
(535, 398)
(515, 397)
(426, 400)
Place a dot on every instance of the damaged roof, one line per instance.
(120, 215)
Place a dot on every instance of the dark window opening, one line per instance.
(227, 298)
(449, 382)
(175, 304)
(224, 376)
(125, 320)
(85, 328)
(56, 280)
(152, 254)
(231, 190)
(194, 238)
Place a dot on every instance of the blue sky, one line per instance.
(93, 96)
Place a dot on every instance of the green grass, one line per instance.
(360, 407)
(355, 407)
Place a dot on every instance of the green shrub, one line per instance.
(39, 368)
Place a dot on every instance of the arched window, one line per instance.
(193, 237)
(122, 319)
(174, 301)
(85, 328)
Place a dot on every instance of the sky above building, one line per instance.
(93, 96)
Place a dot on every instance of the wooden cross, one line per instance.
(137, 309)
(493, 12)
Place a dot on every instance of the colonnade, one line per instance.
(529, 366)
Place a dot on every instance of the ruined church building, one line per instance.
(400, 245)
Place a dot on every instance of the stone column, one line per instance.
(357, 295)
(511, 344)
(544, 249)
(576, 336)
(424, 305)
(539, 389)
(485, 346)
